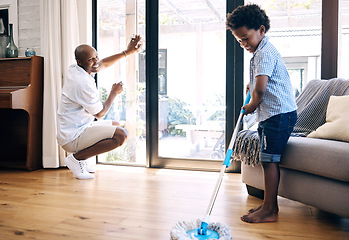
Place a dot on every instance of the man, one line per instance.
(78, 133)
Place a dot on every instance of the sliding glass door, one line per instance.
(117, 21)
(183, 93)
(343, 35)
(191, 79)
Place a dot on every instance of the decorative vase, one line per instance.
(30, 52)
(11, 49)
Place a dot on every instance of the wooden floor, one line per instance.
(138, 203)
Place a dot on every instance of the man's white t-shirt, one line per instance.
(79, 102)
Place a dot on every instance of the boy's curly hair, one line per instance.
(251, 16)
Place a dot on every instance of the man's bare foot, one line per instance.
(252, 210)
(260, 216)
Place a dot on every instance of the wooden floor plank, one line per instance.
(133, 203)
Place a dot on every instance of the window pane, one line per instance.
(192, 79)
(295, 31)
(118, 20)
(343, 46)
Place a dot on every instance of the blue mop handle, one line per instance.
(203, 229)
(227, 159)
(247, 101)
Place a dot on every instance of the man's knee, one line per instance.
(120, 136)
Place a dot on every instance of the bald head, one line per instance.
(82, 51)
(87, 58)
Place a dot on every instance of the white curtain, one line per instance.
(60, 37)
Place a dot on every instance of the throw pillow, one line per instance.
(337, 120)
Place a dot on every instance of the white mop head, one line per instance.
(179, 232)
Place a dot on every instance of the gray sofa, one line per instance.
(313, 171)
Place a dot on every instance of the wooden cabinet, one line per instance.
(21, 104)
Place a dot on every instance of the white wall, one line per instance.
(29, 26)
(29, 20)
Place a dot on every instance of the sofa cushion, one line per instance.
(327, 158)
(337, 120)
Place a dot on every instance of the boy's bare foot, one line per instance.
(252, 210)
(260, 216)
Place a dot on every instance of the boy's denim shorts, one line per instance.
(274, 134)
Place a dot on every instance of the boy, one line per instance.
(272, 98)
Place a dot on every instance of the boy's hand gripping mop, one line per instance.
(190, 230)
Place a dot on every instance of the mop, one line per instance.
(198, 229)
